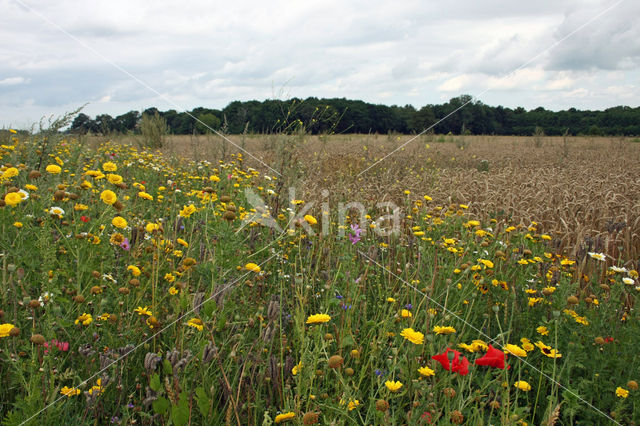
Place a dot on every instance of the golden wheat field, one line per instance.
(583, 189)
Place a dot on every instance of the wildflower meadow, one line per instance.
(147, 287)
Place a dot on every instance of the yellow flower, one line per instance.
(31, 187)
(85, 319)
(5, 329)
(182, 242)
(17, 224)
(526, 344)
(285, 417)
(547, 350)
(109, 167)
(296, 369)
(545, 237)
(405, 313)
(486, 263)
(119, 222)
(214, 178)
(108, 197)
(169, 277)
(621, 392)
(252, 267)
(390, 299)
(522, 385)
(12, 199)
(413, 336)
(426, 371)
(54, 169)
(142, 311)
(393, 386)
(188, 210)
(310, 219)
(114, 179)
(150, 227)
(542, 330)
(173, 291)
(67, 391)
(443, 330)
(145, 196)
(10, 172)
(515, 350)
(318, 319)
(135, 271)
(196, 323)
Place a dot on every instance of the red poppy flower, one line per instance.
(85, 219)
(493, 358)
(456, 365)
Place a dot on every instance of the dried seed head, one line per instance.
(632, 384)
(37, 339)
(123, 290)
(449, 392)
(572, 300)
(349, 371)
(34, 304)
(14, 332)
(382, 405)
(79, 298)
(310, 418)
(229, 215)
(34, 174)
(336, 361)
(495, 405)
(598, 341)
(225, 198)
(134, 282)
(456, 417)
(96, 289)
(328, 336)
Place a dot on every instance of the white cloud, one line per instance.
(202, 53)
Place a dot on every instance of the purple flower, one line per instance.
(355, 237)
(125, 244)
(408, 306)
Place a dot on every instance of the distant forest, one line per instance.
(339, 115)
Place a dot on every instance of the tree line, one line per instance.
(460, 115)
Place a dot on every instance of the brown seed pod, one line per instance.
(79, 298)
(572, 300)
(229, 215)
(34, 174)
(456, 417)
(225, 198)
(336, 361)
(15, 331)
(382, 405)
(310, 418)
(37, 339)
(34, 304)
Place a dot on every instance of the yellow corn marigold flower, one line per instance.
(150, 227)
(67, 391)
(318, 319)
(10, 172)
(487, 263)
(252, 267)
(196, 323)
(542, 330)
(135, 271)
(5, 329)
(188, 210)
(522, 385)
(526, 344)
(405, 313)
(84, 319)
(285, 417)
(169, 277)
(109, 167)
(145, 196)
(114, 179)
(310, 219)
(426, 371)
(214, 178)
(17, 224)
(515, 350)
(393, 386)
(108, 197)
(443, 330)
(182, 242)
(31, 187)
(621, 392)
(12, 199)
(119, 222)
(54, 169)
(413, 336)
(173, 291)
(390, 299)
(142, 311)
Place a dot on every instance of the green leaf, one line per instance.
(166, 367)
(203, 401)
(208, 308)
(154, 383)
(180, 412)
(161, 405)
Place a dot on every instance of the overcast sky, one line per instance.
(121, 55)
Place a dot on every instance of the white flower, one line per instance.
(598, 256)
(628, 281)
(617, 269)
(56, 211)
(24, 194)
